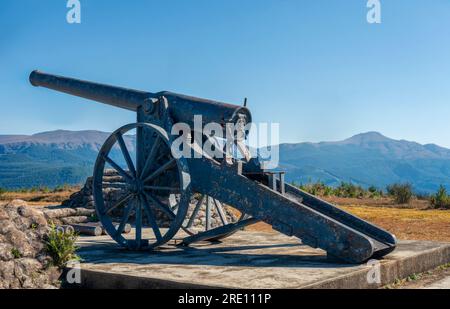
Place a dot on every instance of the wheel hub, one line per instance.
(137, 186)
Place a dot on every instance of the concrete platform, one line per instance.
(246, 260)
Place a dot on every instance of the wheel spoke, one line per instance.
(208, 212)
(138, 223)
(118, 203)
(221, 212)
(155, 201)
(115, 185)
(117, 168)
(162, 188)
(162, 155)
(126, 154)
(125, 218)
(139, 149)
(160, 170)
(196, 210)
(150, 157)
(151, 218)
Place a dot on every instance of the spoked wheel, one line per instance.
(207, 214)
(140, 190)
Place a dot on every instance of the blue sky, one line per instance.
(315, 66)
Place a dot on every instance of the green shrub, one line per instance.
(44, 189)
(60, 246)
(347, 189)
(2, 191)
(328, 191)
(372, 189)
(441, 198)
(402, 193)
(62, 188)
(317, 188)
(16, 253)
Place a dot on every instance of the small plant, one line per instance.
(317, 188)
(2, 191)
(61, 188)
(61, 246)
(374, 192)
(44, 189)
(372, 189)
(441, 198)
(347, 189)
(402, 193)
(16, 253)
(414, 277)
(328, 191)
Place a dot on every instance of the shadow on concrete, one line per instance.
(287, 255)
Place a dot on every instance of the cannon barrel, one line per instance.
(182, 108)
(116, 96)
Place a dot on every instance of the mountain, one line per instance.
(58, 157)
(368, 159)
(50, 158)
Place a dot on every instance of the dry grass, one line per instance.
(408, 224)
(39, 198)
(413, 221)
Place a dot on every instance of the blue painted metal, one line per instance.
(248, 187)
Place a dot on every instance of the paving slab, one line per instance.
(248, 260)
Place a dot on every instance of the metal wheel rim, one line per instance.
(184, 184)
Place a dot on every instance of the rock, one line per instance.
(37, 217)
(17, 203)
(23, 261)
(75, 220)
(20, 242)
(6, 252)
(3, 214)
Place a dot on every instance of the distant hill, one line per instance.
(58, 157)
(368, 159)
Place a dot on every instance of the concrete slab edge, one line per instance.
(390, 271)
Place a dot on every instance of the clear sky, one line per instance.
(315, 66)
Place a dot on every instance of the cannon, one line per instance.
(155, 182)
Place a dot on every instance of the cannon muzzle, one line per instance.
(182, 108)
(116, 96)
